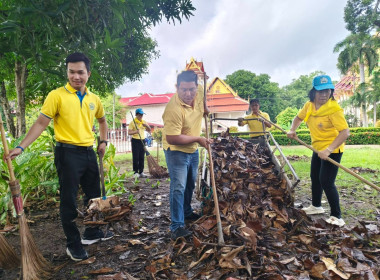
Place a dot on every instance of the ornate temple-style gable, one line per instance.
(196, 66)
(222, 98)
(346, 86)
(218, 86)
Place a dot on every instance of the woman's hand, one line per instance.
(291, 134)
(324, 154)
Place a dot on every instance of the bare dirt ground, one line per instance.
(135, 246)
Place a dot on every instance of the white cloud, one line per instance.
(281, 38)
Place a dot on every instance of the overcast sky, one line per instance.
(281, 38)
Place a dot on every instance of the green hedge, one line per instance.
(358, 136)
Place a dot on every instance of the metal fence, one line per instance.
(120, 139)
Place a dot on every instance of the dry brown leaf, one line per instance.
(286, 261)
(331, 266)
(101, 271)
(120, 248)
(136, 242)
(204, 256)
(229, 260)
(209, 223)
(87, 261)
(305, 239)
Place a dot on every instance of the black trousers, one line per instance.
(323, 175)
(138, 154)
(75, 166)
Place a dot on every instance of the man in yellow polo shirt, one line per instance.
(137, 128)
(73, 109)
(255, 125)
(181, 137)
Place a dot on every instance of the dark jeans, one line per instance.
(323, 174)
(138, 155)
(75, 167)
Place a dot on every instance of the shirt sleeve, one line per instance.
(338, 120)
(51, 105)
(100, 112)
(302, 113)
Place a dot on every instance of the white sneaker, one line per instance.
(136, 175)
(143, 175)
(335, 221)
(312, 210)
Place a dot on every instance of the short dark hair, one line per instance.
(255, 100)
(314, 91)
(187, 76)
(77, 57)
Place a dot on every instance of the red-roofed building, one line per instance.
(346, 87)
(153, 106)
(224, 102)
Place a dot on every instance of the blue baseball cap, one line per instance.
(140, 111)
(322, 82)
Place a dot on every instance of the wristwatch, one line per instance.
(103, 141)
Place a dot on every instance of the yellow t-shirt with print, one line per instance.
(323, 129)
(180, 118)
(256, 125)
(73, 119)
(139, 126)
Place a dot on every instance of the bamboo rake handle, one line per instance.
(328, 159)
(6, 151)
(212, 176)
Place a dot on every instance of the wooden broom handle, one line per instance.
(212, 176)
(328, 159)
(6, 151)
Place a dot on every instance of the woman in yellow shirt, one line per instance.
(328, 130)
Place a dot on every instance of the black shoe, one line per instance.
(89, 239)
(192, 217)
(77, 253)
(180, 232)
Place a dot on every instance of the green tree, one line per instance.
(361, 16)
(37, 35)
(296, 93)
(362, 49)
(249, 85)
(285, 118)
(113, 105)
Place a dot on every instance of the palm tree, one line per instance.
(362, 49)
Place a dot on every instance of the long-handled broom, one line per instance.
(8, 257)
(212, 176)
(155, 169)
(328, 159)
(34, 265)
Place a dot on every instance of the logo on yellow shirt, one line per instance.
(92, 106)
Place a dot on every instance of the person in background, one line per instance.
(181, 136)
(255, 125)
(73, 109)
(136, 129)
(329, 131)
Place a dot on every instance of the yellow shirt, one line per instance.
(324, 129)
(73, 121)
(180, 118)
(255, 125)
(139, 126)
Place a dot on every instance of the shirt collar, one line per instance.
(70, 89)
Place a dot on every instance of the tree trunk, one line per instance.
(374, 113)
(20, 82)
(364, 105)
(7, 110)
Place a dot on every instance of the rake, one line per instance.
(34, 265)
(329, 159)
(155, 169)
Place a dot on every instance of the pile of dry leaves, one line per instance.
(265, 236)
